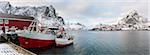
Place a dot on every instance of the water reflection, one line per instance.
(136, 42)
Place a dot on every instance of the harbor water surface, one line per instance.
(103, 43)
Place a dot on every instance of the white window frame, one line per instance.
(6, 21)
(1, 21)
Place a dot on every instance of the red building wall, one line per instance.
(17, 23)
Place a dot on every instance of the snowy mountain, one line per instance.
(5, 7)
(41, 13)
(132, 19)
(74, 26)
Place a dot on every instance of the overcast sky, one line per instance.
(90, 12)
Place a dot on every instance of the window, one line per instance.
(1, 21)
(6, 21)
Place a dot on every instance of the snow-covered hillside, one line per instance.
(41, 13)
(132, 19)
(74, 26)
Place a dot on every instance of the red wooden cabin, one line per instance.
(14, 20)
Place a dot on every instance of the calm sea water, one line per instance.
(104, 43)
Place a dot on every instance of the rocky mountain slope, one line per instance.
(132, 19)
(41, 13)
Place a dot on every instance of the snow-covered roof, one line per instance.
(2, 15)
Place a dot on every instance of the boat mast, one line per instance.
(34, 26)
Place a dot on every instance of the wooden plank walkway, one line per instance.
(9, 48)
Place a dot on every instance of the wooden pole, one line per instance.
(3, 28)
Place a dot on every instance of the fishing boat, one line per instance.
(10, 24)
(64, 41)
(30, 35)
(34, 37)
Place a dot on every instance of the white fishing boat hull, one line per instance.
(62, 42)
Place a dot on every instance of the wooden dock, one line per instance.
(9, 48)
